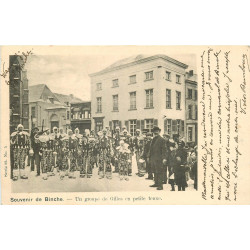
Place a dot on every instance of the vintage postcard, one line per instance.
(125, 125)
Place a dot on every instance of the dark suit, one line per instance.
(36, 158)
(157, 154)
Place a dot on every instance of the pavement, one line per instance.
(35, 184)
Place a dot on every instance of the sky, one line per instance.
(70, 74)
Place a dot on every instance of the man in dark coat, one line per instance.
(157, 157)
(35, 145)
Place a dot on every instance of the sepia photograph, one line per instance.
(103, 123)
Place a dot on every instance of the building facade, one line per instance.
(140, 92)
(191, 108)
(81, 116)
(46, 111)
(18, 94)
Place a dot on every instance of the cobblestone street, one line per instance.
(54, 184)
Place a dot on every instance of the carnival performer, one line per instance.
(91, 155)
(123, 158)
(20, 142)
(57, 148)
(50, 155)
(72, 154)
(116, 143)
(84, 164)
(44, 142)
(126, 137)
(65, 157)
(61, 133)
(79, 153)
(105, 153)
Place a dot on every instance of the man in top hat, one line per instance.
(157, 157)
(20, 141)
(35, 147)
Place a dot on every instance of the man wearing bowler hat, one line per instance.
(157, 157)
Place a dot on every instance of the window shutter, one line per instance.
(165, 126)
(142, 125)
(156, 122)
(110, 125)
(120, 124)
(138, 124)
(182, 128)
(126, 124)
(193, 113)
(174, 126)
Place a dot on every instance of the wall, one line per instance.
(158, 84)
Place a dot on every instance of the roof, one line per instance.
(35, 92)
(133, 60)
(67, 98)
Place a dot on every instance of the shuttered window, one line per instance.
(174, 126)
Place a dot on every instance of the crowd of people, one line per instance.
(164, 160)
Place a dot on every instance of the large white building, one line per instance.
(140, 92)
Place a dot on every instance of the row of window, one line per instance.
(80, 115)
(149, 100)
(172, 127)
(132, 79)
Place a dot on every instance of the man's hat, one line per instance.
(156, 129)
(35, 128)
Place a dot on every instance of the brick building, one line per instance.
(18, 94)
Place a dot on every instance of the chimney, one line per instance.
(191, 72)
